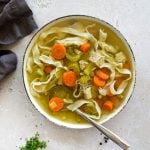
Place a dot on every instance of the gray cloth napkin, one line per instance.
(8, 62)
(16, 21)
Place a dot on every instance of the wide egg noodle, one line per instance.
(81, 102)
(36, 55)
(103, 91)
(123, 85)
(44, 86)
(30, 64)
(77, 90)
(72, 41)
(102, 36)
(92, 38)
(49, 60)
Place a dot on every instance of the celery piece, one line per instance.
(89, 69)
(84, 79)
(40, 72)
(72, 56)
(75, 67)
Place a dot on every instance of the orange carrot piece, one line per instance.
(85, 47)
(56, 104)
(69, 78)
(108, 105)
(48, 69)
(98, 82)
(102, 75)
(58, 51)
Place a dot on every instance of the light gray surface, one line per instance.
(18, 118)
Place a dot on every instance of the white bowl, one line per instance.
(117, 34)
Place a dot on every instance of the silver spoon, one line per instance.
(123, 144)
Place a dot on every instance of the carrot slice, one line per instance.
(102, 75)
(108, 105)
(85, 47)
(98, 82)
(48, 69)
(69, 78)
(56, 104)
(58, 51)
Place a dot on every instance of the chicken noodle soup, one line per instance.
(78, 65)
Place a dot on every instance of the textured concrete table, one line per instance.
(19, 119)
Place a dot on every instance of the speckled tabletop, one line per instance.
(19, 119)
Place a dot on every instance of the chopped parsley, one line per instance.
(34, 143)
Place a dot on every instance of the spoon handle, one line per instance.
(124, 145)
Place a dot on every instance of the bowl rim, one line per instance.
(82, 126)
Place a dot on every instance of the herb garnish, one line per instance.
(34, 143)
